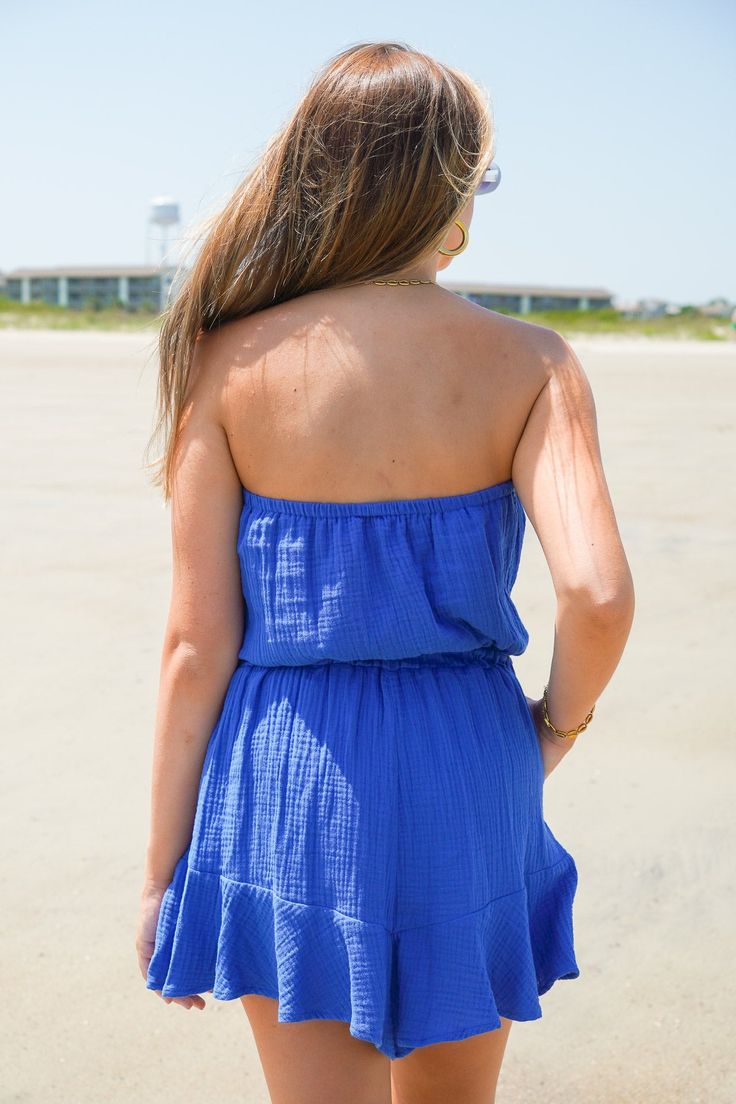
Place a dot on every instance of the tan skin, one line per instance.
(352, 394)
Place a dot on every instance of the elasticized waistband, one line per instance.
(488, 656)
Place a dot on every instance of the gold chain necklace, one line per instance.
(395, 282)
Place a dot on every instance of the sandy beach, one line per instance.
(644, 802)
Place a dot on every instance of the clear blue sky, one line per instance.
(616, 135)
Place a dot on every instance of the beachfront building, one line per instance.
(149, 287)
(523, 298)
(133, 287)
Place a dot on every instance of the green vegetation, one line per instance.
(45, 316)
(690, 323)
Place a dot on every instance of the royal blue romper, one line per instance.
(369, 842)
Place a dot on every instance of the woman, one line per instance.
(347, 829)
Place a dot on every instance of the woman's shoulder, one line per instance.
(531, 351)
(528, 337)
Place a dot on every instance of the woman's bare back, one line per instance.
(374, 392)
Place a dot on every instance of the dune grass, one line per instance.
(45, 316)
(689, 324)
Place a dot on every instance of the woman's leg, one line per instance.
(465, 1071)
(316, 1061)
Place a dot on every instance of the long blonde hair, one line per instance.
(383, 151)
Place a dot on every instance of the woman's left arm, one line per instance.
(205, 623)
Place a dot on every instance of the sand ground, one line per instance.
(644, 802)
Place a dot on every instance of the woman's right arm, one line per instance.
(558, 474)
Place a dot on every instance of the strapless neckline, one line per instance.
(379, 506)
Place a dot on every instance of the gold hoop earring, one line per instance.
(463, 245)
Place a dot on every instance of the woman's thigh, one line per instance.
(315, 1061)
(464, 1071)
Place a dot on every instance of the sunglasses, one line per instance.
(490, 180)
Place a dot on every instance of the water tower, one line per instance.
(164, 214)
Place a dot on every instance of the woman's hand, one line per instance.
(145, 941)
(552, 751)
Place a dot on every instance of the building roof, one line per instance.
(86, 271)
(480, 288)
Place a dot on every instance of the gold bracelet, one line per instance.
(573, 732)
